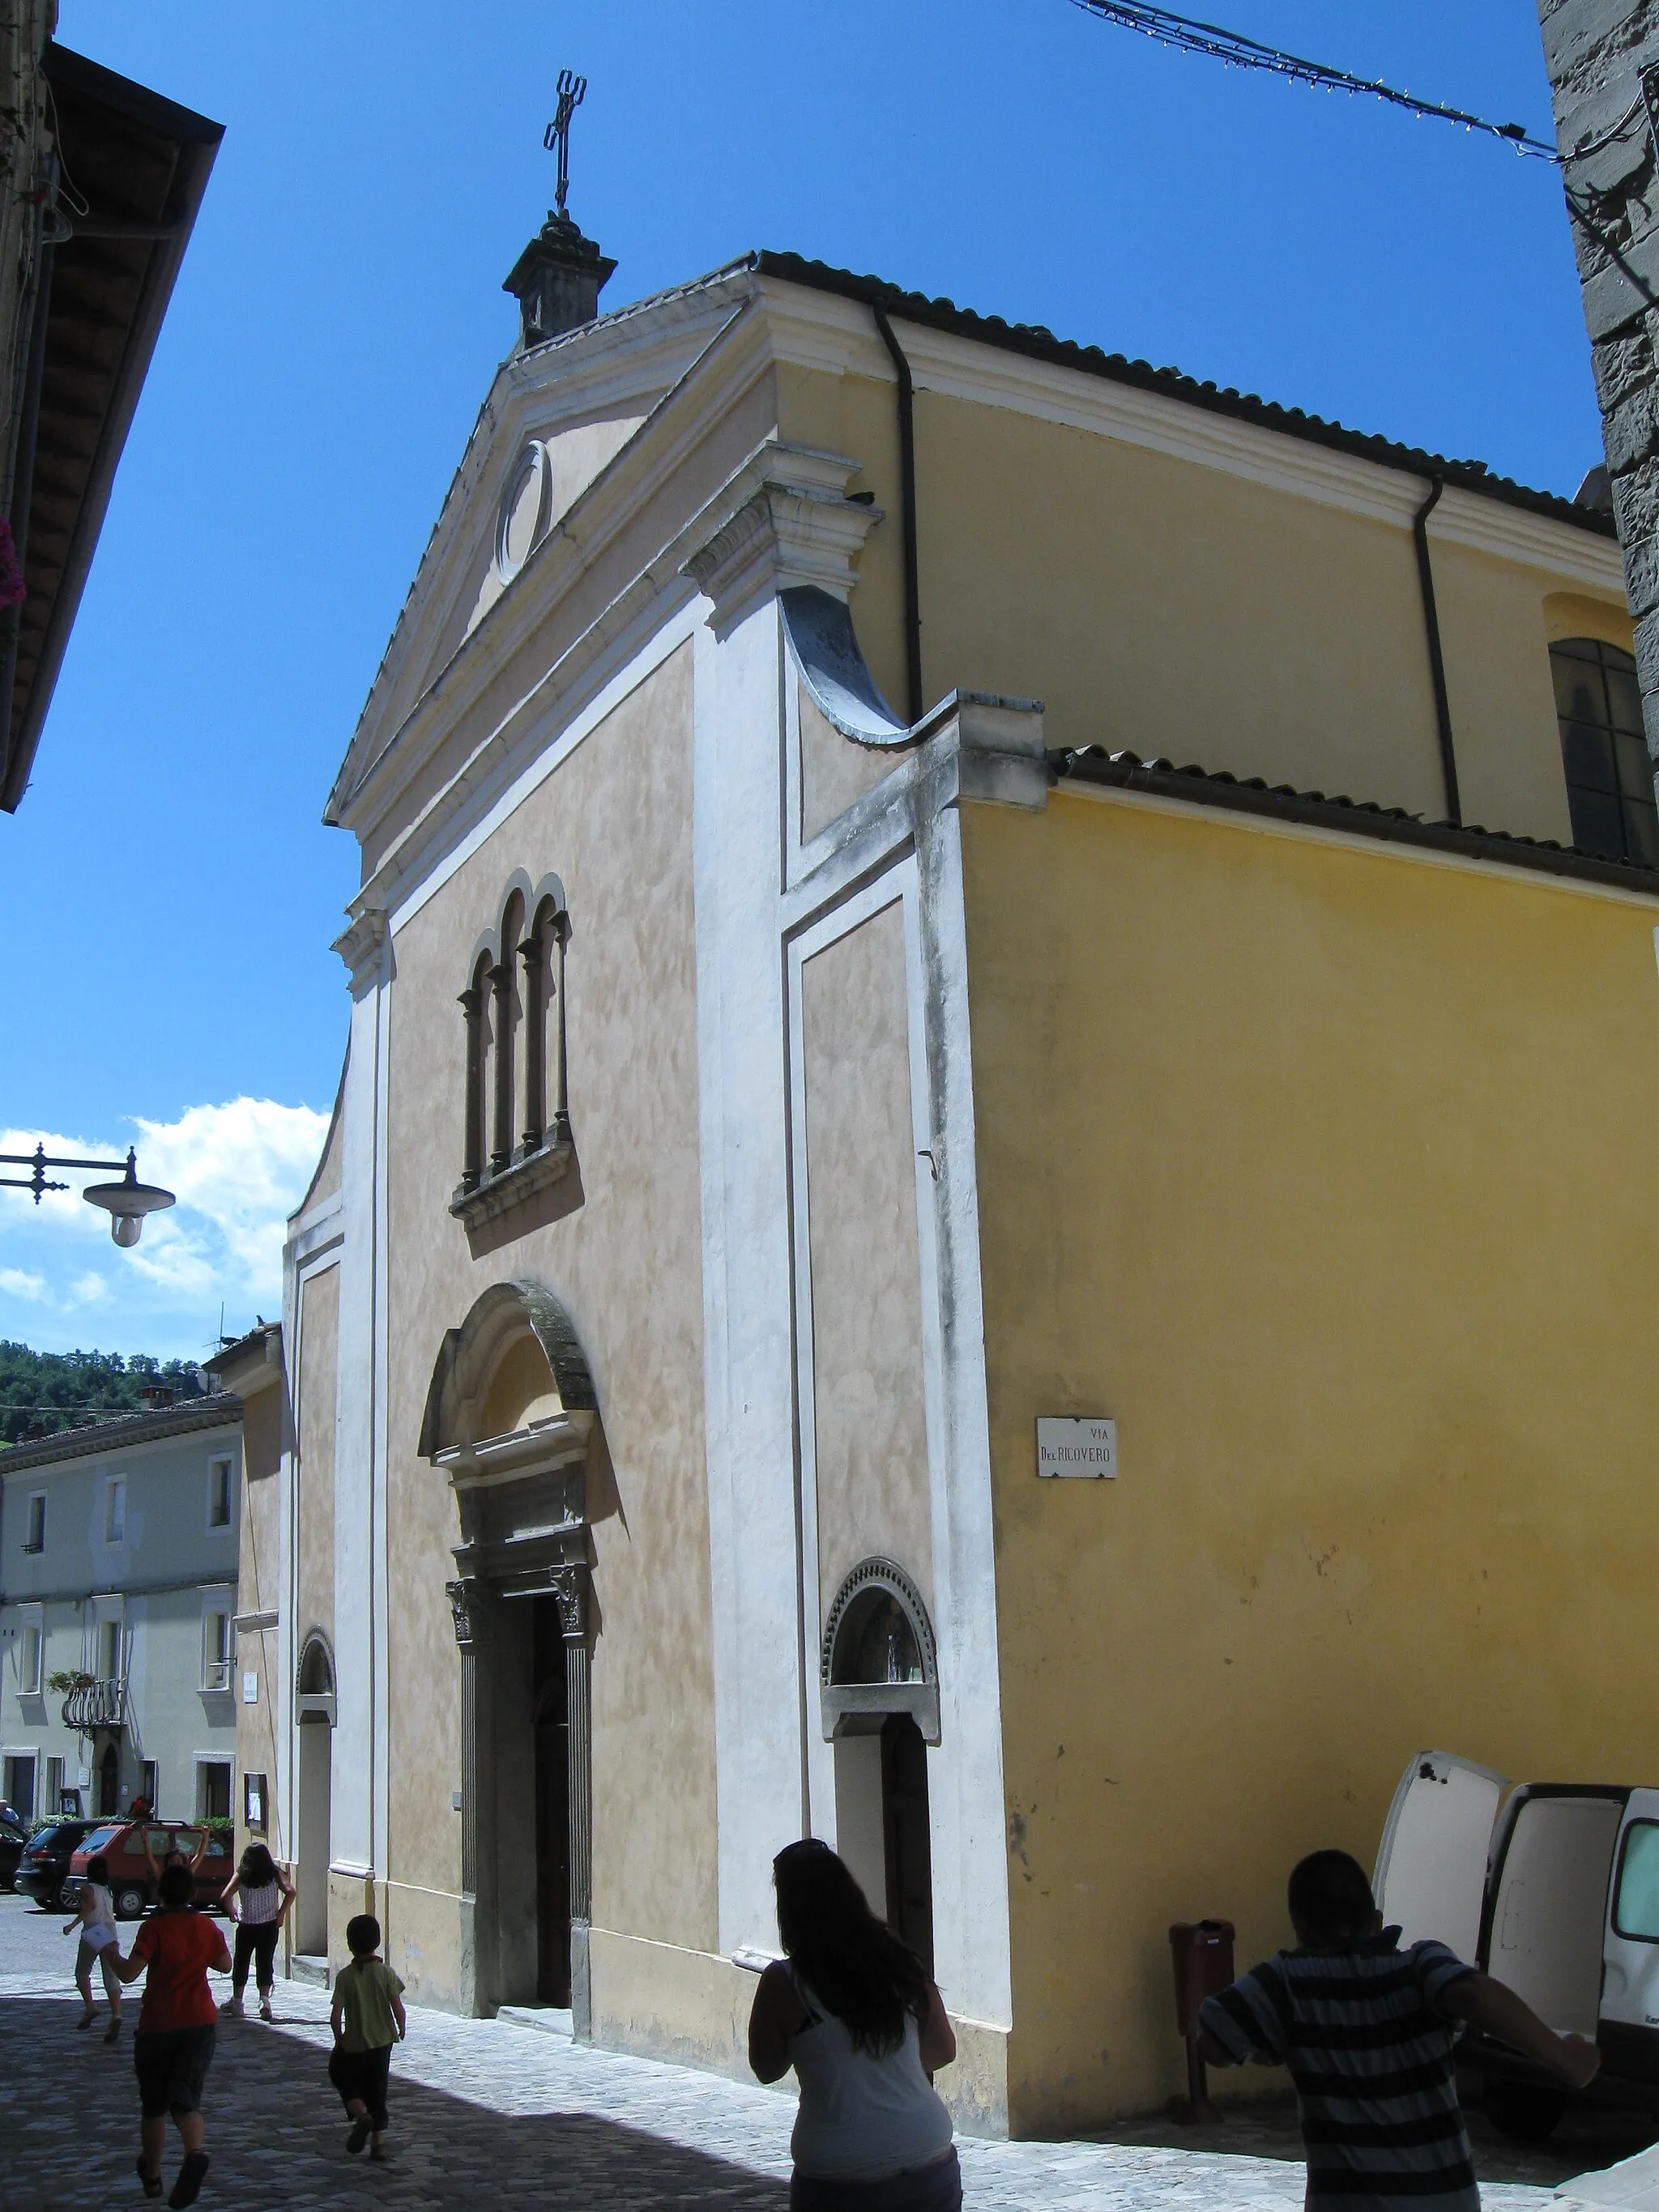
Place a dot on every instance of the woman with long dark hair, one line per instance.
(857, 2015)
(261, 1894)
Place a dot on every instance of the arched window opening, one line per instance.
(505, 1010)
(313, 1679)
(472, 1008)
(543, 957)
(878, 1642)
(517, 1138)
(1609, 771)
(878, 1655)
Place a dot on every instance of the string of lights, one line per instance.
(1187, 36)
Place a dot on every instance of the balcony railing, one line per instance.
(95, 1705)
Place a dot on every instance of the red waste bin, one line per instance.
(1201, 1953)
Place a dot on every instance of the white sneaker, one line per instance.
(264, 2008)
(231, 2008)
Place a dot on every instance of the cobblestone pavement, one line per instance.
(484, 2112)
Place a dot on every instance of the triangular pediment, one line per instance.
(554, 419)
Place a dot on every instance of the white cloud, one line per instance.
(238, 1170)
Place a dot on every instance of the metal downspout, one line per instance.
(1436, 661)
(906, 430)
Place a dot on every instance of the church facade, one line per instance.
(765, 1103)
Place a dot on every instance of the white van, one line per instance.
(1556, 1893)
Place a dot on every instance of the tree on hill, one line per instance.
(42, 1393)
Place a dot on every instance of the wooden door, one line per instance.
(904, 1828)
(552, 1809)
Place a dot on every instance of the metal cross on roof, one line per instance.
(556, 137)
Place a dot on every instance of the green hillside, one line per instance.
(49, 1391)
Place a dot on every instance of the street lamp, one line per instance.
(125, 1202)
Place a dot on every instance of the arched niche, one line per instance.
(314, 1686)
(878, 1655)
(509, 1414)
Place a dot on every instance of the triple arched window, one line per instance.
(1598, 705)
(517, 1105)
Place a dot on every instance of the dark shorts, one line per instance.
(935, 2188)
(363, 2075)
(171, 2068)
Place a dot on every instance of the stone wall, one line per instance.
(1596, 52)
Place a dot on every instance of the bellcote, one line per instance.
(557, 280)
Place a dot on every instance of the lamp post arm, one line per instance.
(40, 1160)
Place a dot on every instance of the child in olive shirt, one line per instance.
(368, 2018)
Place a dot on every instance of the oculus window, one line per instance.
(1598, 706)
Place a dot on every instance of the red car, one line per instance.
(131, 1884)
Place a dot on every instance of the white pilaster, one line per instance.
(358, 1534)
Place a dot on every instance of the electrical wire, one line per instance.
(1187, 36)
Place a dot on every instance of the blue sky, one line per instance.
(167, 894)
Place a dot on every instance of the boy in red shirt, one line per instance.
(176, 2023)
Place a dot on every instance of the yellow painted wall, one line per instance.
(1329, 1172)
(1164, 605)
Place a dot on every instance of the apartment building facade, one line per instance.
(119, 1568)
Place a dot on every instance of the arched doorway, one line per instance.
(879, 1693)
(109, 1781)
(315, 1710)
(509, 1418)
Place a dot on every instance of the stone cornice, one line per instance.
(796, 526)
(824, 331)
(538, 1449)
(360, 941)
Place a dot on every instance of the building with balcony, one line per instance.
(118, 1572)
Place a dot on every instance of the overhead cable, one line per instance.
(1187, 36)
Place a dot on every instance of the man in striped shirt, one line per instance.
(1366, 2030)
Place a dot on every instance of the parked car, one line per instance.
(14, 1838)
(1554, 1888)
(43, 1867)
(132, 1886)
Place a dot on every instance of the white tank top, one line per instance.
(98, 1928)
(861, 2118)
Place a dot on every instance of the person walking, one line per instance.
(1367, 2033)
(368, 2018)
(95, 1916)
(178, 2021)
(259, 1894)
(858, 2016)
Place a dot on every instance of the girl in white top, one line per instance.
(859, 2018)
(95, 1915)
(259, 1894)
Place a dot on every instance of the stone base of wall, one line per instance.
(348, 1894)
(692, 2007)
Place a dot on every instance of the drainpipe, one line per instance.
(1436, 661)
(906, 430)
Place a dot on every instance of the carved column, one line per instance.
(470, 1603)
(471, 1003)
(501, 1008)
(535, 1041)
(560, 1097)
(570, 1586)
